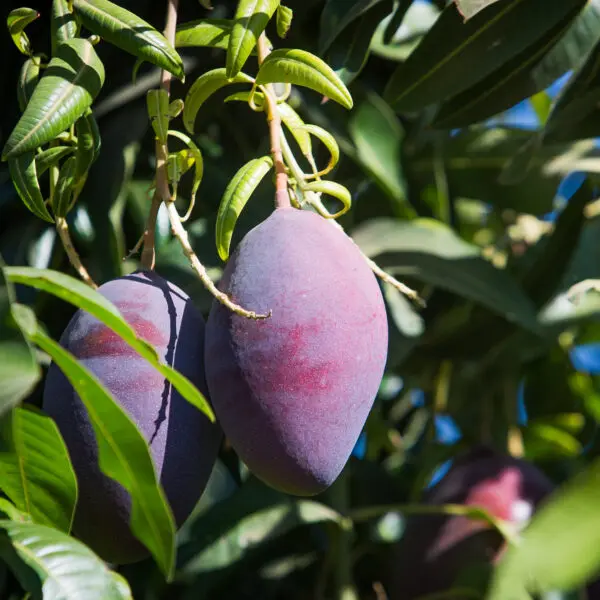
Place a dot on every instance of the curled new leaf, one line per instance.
(334, 189)
(203, 87)
(329, 142)
(283, 20)
(50, 157)
(24, 176)
(28, 78)
(88, 148)
(71, 82)
(297, 127)
(299, 67)
(157, 102)
(130, 33)
(63, 193)
(251, 18)
(16, 21)
(237, 194)
(63, 26)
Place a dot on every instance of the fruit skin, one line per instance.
(292, 392)
(183, 442)
(435, 549)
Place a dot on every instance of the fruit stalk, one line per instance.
(162, 192)
(282, 198)
(63, 233)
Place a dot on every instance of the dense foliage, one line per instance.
(454, 142)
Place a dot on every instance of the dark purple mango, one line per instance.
(183, 442)
(292, 392)
(436, 550)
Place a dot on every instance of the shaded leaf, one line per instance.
(299, 67)
(69, 85)
(431, 252)
(329, 141)
(76, 292)
(66, 568)
(251, 18)
(63, 192)
(88, 148)
(16, 21)
(19, 371)
(206, 85)
(63, 26)
(236, 195)
(28, 78)
(334, 189)
(123, 455)
(24, 177)
(129, 32)
(51, 157)
(394, 23)
(453, 55)
(35, 469)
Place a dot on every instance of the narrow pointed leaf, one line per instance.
(206, 85)
(51, 157)
(28, 78)
(63, 26)
(284, 18)
(16, 21)
(455, 55)
(123, 455)
(19, 371)
(67, 89)
(126, 30)
(251, 18)
(329, 142)
(78, 293)
(175, 108)
(35, 469)
(299, 67)
(334, 189)
(66, 568)
(157, 104)
(236, 195)
(207, 33)
(63, 193)
(24, 176)
(88, 148)
(292, 120)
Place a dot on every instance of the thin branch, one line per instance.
(282, 198)
(162, 192)
(63, 232)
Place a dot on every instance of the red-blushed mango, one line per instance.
(183, 442)
(292, 392)
(437, 552)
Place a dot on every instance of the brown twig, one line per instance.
(65, 237)
(162, 192)
(282, 198)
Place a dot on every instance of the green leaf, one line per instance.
(328, 140)
(76, 292)
(284, 18)
(24, 176)
(127, 31)
(88, 148)
(334, 189)
(123, 455)
(66, 568)
(206, 85)
(51, 157)
(433, 253)
(28, 78)
(16, 21)
(292, 120)
(157, 103)
(251, 18)
(299, 67)
(63, 193)
(63, 26)
(377, 135)
(19, 371)
(35, 469)
(236, 195)
(454, 55)
(204, 33)
(337, 15)
(539, 562)
(469, 8)
(69, 85)
(529, 72)
(349, 52)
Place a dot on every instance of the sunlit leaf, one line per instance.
(206, 85)
(35, 469)
(157, 103)
(299, 67)
(67, 89)
(24, 176)
(284, 20)
(251, 18)
(211, 33)
(335, 190)
(236, 195)
(16, 21)
(63, 26)
(469, 8)
(297, 127)
(88, 148)
(63, 192)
